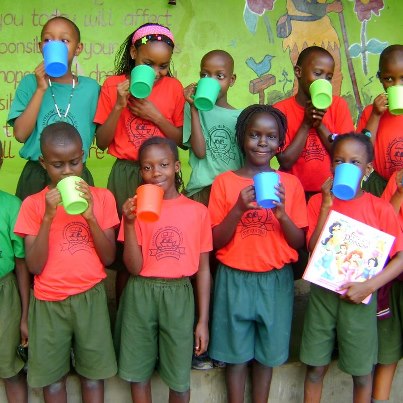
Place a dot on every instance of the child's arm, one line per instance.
(292, 234)
(397, 198)
(22, 275)
(25, 123)
(203, 281)
(379, 106)
(132, 254)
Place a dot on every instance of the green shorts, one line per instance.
(202, 196)
(34, 178)
(328, 318)
(123, 181)
(390, 330)
(252, 315)
(157, 331)
(10, 317)
(80, 322)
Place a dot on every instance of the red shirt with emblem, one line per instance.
(73, 265)
(258, 244)
(313, 165)
(171, 246)
(131, 131)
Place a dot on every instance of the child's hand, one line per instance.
(327, 195)
(201, 338)
(143, 108)
(24, 332)
(85, 193)
(188, 92)
(279, 210)
(247, 199)
(356, 292)
(399, 178)
(123, 94)
(380, 104)
(52, 200)
(41, 77)
(313, 116)
(129, 209)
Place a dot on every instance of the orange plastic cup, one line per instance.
(149, 202)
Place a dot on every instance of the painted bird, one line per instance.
(262, 67)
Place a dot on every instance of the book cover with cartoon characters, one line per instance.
(347, 250)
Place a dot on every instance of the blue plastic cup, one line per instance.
(55, 56)
(206, 95)
(265, 190)
(142, 81)
(346, 181)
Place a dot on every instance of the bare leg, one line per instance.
(362, 388)
(92, 390)
(16, 388)
(235, 379)
(179, 397)
(261, 380)
(383, 379)
(56, 392)
(141, 392)
(313, 383)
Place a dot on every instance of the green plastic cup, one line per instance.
(395, 99)
(321, 93)
(141, 81)
(206, 93)
(72, 202)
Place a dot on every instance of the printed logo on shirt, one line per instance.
(53, 117)
(314, 149)
(256, 222)
(77, 237)
(167, 242)
(394, 155)
(139, 130)
(220, 145)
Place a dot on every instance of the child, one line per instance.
(376, 118)
(254, 288)
(157, 306)
(41, 100)
(390, 310)
(330, 315)
(13, 301)
(307, 145)
(67, 254)
(211, 135)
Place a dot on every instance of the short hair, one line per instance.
(309, 50)
(220, 52)
(359, 137)
(388, 52)
(60, 17)
(246, 115)
(59, 133)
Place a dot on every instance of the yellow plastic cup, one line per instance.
(395, 99)
(72, 201)
(321, 93)
(149, 202)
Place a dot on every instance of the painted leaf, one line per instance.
(376, 47)
(355, 50)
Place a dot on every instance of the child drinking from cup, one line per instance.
(14, 299)
(41, 100)
(254, 287)
(157, 307)
(211, 134)
(67, 254)
(307, 144)
(327, 310)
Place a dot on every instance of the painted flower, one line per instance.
(364, 8)
(260, 6)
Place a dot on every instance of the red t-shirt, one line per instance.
(389, 191)
(171, 246)
(388, 142)
(73, 265)
(131, 131)
(258, 244)
(313, 165)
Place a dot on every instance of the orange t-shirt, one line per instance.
(73, 265)
(313, 165)
(131, 131)
(388, 145)
(171, 246)
(258, 244)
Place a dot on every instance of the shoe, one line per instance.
(219, 364)
(202, 363)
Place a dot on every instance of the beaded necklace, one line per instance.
(70, 98)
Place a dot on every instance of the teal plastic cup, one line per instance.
(141, 81)
(321, 93)
(265, 190)
(206, 93)
(395, 99)
(55, 57)
(346, 181)
(72, 201)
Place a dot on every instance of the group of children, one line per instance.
(250, 324)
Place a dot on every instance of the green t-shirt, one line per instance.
(222, 151)
(11, 245)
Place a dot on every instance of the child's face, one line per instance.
(261, 140)
(61, 30)
(391, 72)
(158, 167)
(316, 65)
(154, 54)
(62, 160)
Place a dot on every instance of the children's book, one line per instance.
(347, 250)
